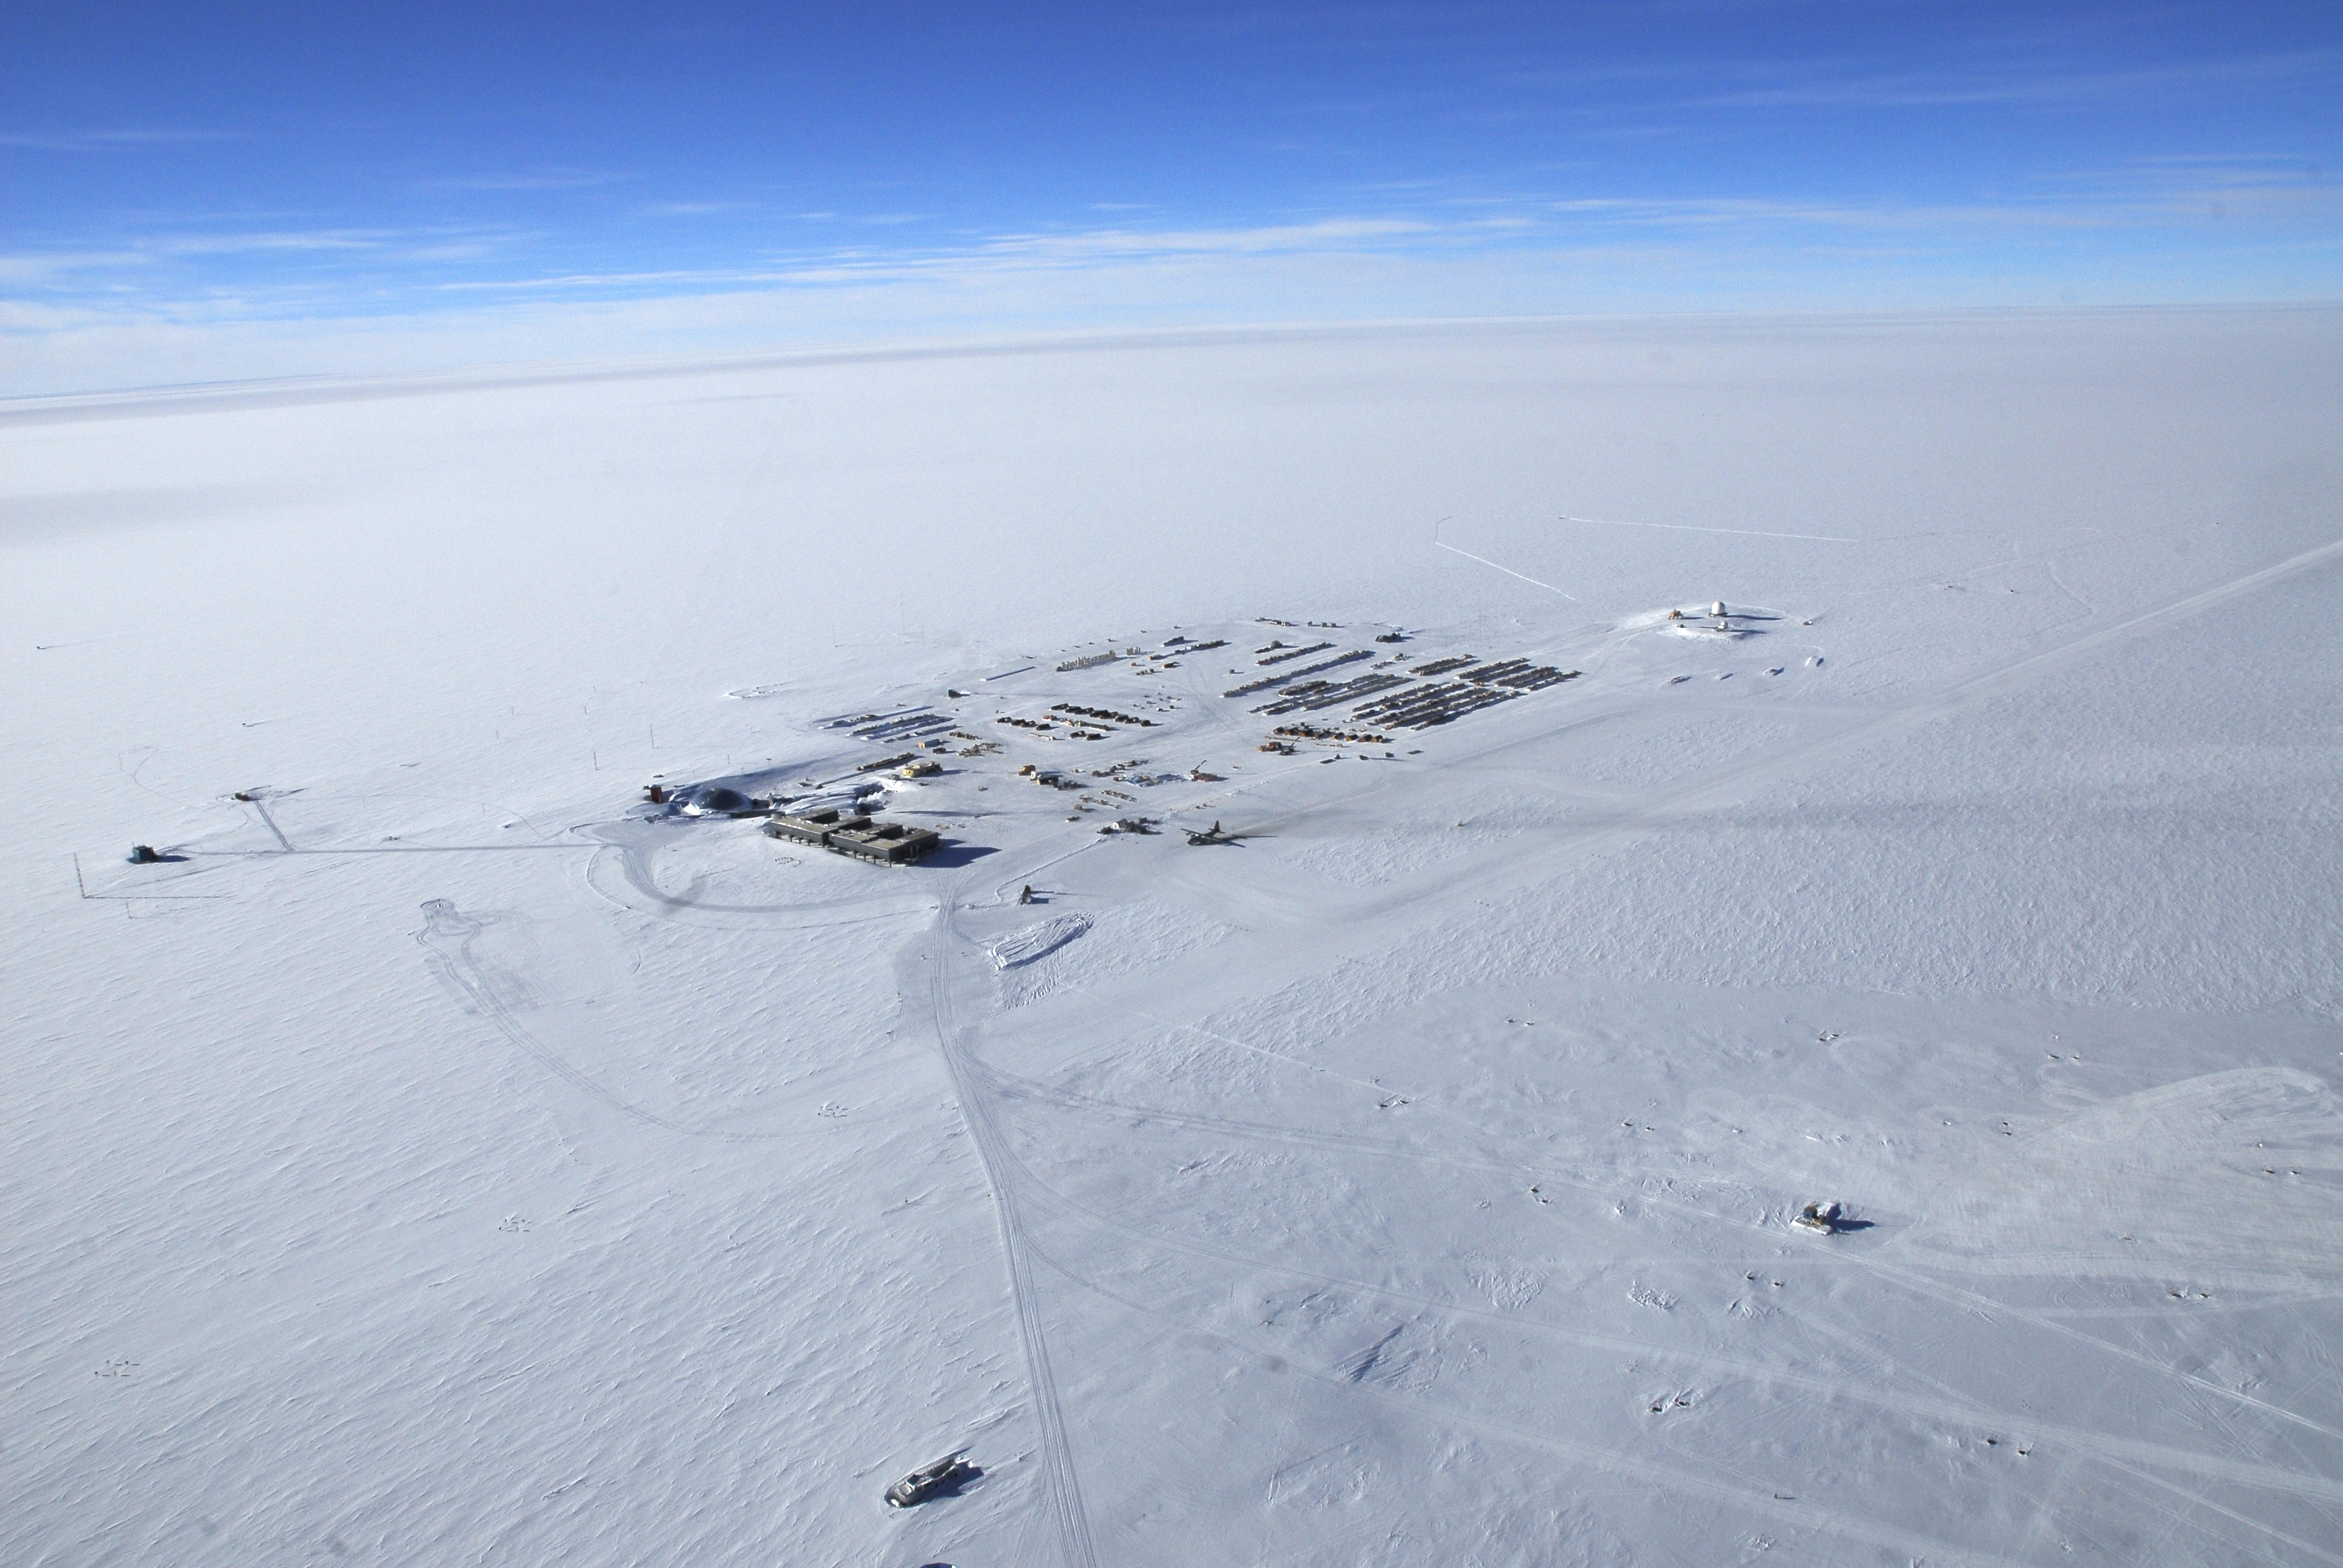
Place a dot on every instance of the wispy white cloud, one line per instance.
(1069, 250)
(111, 140)
(574, 282)
(1842, 84)
(1327, 233)
(2182, 179)
(82, 347)
(2194, 190)
(176, 260)
(47, 268)
(2136, 194)
(1499, 254)
(278, 240)
(529, 180)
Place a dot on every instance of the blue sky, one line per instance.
(619, 179)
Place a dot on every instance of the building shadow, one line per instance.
(954, 854)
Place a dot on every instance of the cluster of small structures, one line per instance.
(1312, 732)
(1442, 702)
(1391, 695)
(1718, 621)
(1279, 654)
(1143, 661)
(1519, 674)
(1106, 714)
(1265, 682)
(899, 727)
(1388, 696)
(1167, 657)
(1049, 726)
(1313, 695)
(845, 832)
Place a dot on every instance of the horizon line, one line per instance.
(158, 399)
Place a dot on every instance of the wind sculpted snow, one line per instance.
(445, 1151)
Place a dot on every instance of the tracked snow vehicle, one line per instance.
(944, 1476)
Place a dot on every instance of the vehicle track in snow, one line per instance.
(1911, 1280)
(2122, 1453)
(1950, 1408)
(1844, 1523)
(1061, 1480)
(982, 1086)
(447, 938)
(634, 851)
(1500, 868)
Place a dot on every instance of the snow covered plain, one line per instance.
(444, 1158)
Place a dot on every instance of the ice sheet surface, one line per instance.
(442, 1156)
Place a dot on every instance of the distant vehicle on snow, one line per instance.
(945, 1475)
